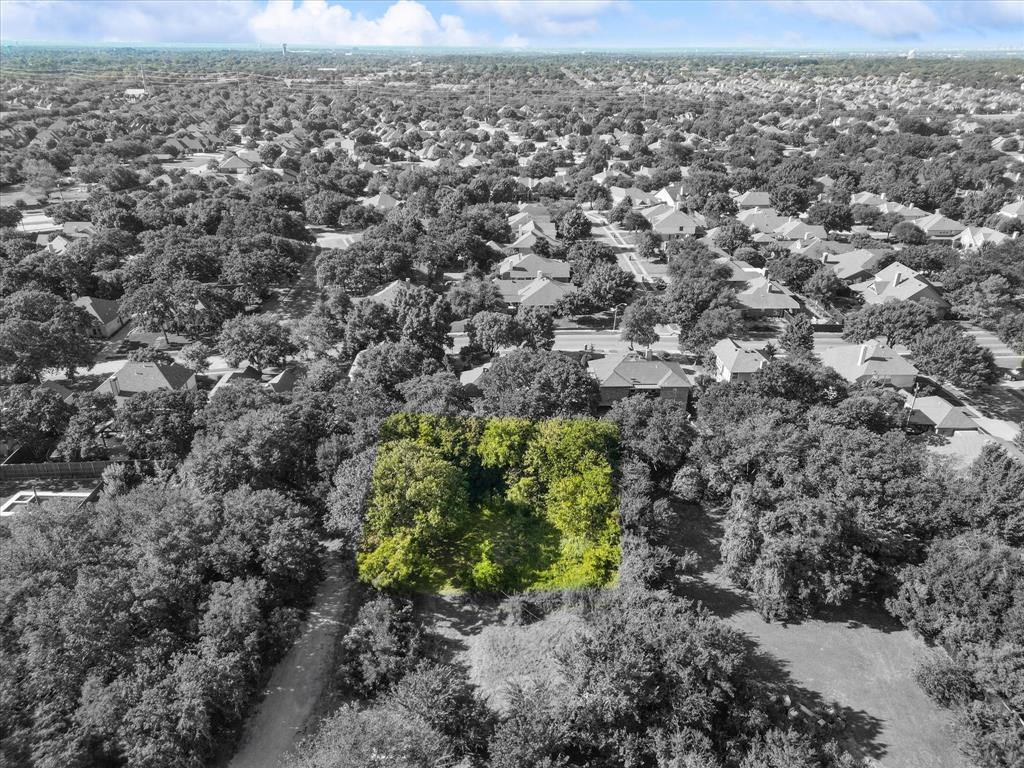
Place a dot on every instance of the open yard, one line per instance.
(860, 658)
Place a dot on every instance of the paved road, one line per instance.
(1005, 357)
(609, 234)
(603, 341)
(295, 688)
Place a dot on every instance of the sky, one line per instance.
(526, 24)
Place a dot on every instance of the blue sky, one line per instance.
(756, 24)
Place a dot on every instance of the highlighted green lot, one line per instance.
(492, 505)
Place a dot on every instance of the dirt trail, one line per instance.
(293, 691)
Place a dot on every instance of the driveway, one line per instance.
(291, 697)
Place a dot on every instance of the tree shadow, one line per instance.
(449, 619)
(856, 730)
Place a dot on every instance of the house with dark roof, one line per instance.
(626, 374)
(939, 415)
(105, 312)
(133, 378)
(542, 292)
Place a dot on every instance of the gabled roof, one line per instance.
(853, 263)
(936, 412)
(387, 294)
(543, 291)
(754, 198)
(795, 229)
(528, 265)
(975, 237)
(135, 377)
(761, 219)
(938, 223)
(382, 201)
(897, 282)
(104, 310)
(635, 371)
(737, 359)
(870, 360)
(235, 163)
(1013, 210)
(866, 198)
(762, 293)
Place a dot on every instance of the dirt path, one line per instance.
(293, 691)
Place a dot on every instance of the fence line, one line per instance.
(55, 469)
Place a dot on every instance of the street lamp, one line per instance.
(615, 313)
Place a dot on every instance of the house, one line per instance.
(530, 235)
(794, 229)
(105, 312)
(626, 374)
(235, 164)
(753, 198)
(815, 247)
(473, 380)
(285, 381)
(855, 265)
(973, 238)
(1013, 210)
(764, 298)
(939, 227)
(736, 363)
(671, 194)
(898, 282)
(635, 194)
(939, 414)
(761, 219)
(542, 292)
(872, 362)
(382, 201)
(906, 212)
(670, 223)
(867, 198)
(527, 266)
(741, 271)
(386, 295)
(133, 378)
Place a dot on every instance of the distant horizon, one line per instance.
(851, 26)
(299, 48)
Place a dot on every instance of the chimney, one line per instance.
(897, 278)
(862, 355)
(824, 258)
(541, 274)
(648, 355)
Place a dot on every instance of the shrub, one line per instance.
(383, 645)
(946, 682)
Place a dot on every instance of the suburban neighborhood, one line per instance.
(408, 407)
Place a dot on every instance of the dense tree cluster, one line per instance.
(491, 505)
(135, 629)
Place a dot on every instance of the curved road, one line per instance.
(293, 691)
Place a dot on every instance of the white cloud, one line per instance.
(882, 18)
(550, 18)
(114, 21)
(406, 22)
